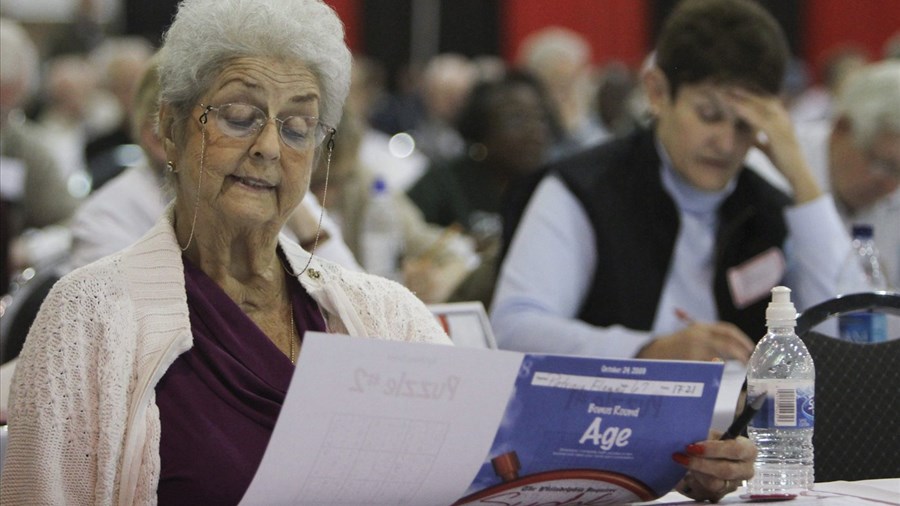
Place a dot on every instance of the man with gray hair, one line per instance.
(561, 59)
(856, 155)
(446, 82)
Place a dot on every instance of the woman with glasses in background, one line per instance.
(157, 374)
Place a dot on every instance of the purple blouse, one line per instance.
(219, 401)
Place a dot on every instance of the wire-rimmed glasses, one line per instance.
(244, 120)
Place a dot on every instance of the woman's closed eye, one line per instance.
(296, 129)
(243, 119)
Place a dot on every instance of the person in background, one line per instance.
(489, 68)
(33, 190)
(122, 61)
(510, 128)
(394, 158)
(155, 375)
(82, 32)
(98, 227)
(120, 212)
(73, 111)
(856, 155)
(445, 83)
(661, 244)
(618, 99)
(816, 102)
(432, 260)
(561, 59)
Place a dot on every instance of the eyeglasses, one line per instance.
(243, 120)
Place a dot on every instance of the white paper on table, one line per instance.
(836, 493)
(726, 402)
(359, 410)
(887, 491)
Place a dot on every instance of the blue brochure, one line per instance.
(595, 431)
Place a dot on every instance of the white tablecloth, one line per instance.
(886, 491)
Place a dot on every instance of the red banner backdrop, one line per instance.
(350, 12)
(831, 24)
(616, 29)
(620, 29)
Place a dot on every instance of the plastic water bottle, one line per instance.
(782, 370)
(862, 272)
(382, 236)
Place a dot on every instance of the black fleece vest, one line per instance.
(636, 224)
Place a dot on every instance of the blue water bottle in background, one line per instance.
(862, 272)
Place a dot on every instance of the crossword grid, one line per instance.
(372, 461)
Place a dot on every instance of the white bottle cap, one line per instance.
(781, 312)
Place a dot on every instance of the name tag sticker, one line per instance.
(755, 278)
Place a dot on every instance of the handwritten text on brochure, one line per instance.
(618, 385)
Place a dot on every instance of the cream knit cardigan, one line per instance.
(84, 425)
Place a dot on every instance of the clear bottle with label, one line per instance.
(862, 272)
(782, 369)
(382, 235)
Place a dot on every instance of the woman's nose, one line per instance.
(726, 138)
(267, 144)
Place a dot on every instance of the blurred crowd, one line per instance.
(458, 151)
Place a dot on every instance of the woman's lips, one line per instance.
(716, 163)
(254, 183)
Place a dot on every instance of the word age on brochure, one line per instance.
(607, 438)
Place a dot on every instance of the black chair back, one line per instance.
(857, 431)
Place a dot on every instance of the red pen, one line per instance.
(683, 316)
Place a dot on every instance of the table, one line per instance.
(835, 493)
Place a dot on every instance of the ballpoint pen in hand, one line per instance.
(740, 423)
(683, 316)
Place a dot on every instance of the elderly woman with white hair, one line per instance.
(157, 374)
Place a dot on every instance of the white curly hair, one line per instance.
(206, 34)
(871, 100)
